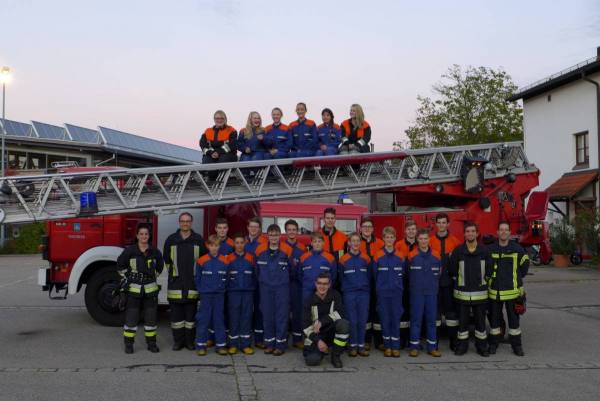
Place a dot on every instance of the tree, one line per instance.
(469, 107)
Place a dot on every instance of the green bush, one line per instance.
(587, 229)
(562, 238)
(28, 241)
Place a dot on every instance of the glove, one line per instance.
(520, 305)
(119, 296)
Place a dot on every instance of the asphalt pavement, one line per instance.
(52, 350)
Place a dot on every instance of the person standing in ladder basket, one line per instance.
(219, 143)
(468, 267)
(356, 132)
(140, 265)
(279, 139)
(510, 264)
(329, 134)
(304, 134)
(181, 250)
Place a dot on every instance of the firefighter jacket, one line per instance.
(140, 270)
(298, 249)
(335, 242)
(329, 135)
(359, 136)
(304, 134)
(211, 274)
(509, 265)
(370, 247)
(355, 272)
(444, 246)
(180, 260)
(313, 263)
(252, 142)
(424, 271)
(222, 140)
(389, 270)
(273, 265)
(468, 272)
(226, 247)
(279, 137)
(327, 310)
(241, 272)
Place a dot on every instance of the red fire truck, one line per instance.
(82, 251)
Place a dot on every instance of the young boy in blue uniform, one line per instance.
(424, 268)
(211, 282)
(241, 283)
(355, 274)
(314, 262)
(274, 264)
(298, 249)
(389, 270)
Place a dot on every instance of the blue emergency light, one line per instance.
(88, 203)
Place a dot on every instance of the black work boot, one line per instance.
(452, 343)
(178, 339)
(190, 338)
(484, 352)
(336, 360)
(152, 347)
(128, 346)
(461, 347)
(518, 350)
(492, 349)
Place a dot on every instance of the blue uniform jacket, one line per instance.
(211, 274)
(330, 135)
(298, 249)
(241, 272)
(312, 264)
(389, 269)
(355, 272)
(251, 245)
(424, 271)
(255, 144)
(274, 266)
(279, 137)
(304, 134)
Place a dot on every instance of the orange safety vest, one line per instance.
(359, 132)
(222, 135)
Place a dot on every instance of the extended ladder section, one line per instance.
(56, 196)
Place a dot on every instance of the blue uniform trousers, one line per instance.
(356, 304)
(257, 320)
(331, 150)
(275, 308)
(245, 157)
(239, 310)
(423, 306)
(296, 307)
(390, 312)
(211, 312)
(301, 153)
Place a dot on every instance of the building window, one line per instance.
(582, 148)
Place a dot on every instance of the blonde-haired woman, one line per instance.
(219, 142)
(251, 140)
(356, 132)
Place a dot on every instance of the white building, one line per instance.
(561, 116)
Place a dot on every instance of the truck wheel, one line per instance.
(98, 296)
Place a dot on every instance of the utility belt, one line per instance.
(140, 278)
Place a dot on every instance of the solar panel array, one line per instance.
(108, 138)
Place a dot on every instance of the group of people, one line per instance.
(301, 138)
(339, 293)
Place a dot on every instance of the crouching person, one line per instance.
(211, 282)
(325, 325)
(140, 264)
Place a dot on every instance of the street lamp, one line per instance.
(4, 79)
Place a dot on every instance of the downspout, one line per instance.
(585, 78)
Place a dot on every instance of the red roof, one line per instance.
(569, 185)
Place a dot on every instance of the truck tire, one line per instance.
(98, 296)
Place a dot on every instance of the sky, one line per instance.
(160, 69)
